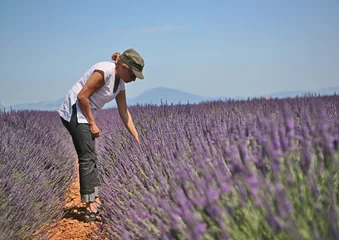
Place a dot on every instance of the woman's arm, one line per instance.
(125, 115)
(95, 82)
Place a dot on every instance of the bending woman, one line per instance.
(102, 83)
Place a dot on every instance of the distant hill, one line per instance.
(45, 106)
(324, 91)
(168, 95)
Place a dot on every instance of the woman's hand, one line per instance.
(137, 138)
(94, 130)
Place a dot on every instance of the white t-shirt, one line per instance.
(97, 99)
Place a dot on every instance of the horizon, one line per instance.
(285, 94)
(212, 49)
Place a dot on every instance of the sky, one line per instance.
(210, 48)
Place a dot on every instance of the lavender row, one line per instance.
(223, 170)
(36, 165)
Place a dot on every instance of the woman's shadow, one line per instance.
(77, 213)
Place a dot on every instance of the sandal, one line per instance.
(92, 216)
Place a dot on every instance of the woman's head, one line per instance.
(129, 65)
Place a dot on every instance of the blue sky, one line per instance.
(210, 48)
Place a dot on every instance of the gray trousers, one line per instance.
(84, 144)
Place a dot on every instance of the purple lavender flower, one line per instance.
(274, 224)
(212, 194)
(201, 228)
(305, 160)
(284, 206)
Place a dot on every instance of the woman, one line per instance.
(103, 82)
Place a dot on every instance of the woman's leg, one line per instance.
(87, 157)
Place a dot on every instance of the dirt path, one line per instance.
(72, 226)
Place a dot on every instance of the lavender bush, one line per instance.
(36, 164)
(223, 170)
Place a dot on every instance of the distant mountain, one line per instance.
(324, 91)
(163, 95)
(168, 95)
(44, 106)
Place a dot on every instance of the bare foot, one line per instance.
(93, 206)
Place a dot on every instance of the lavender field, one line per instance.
(259, 169)
(223, 170)
(36, 166)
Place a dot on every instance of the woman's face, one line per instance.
(127, 74)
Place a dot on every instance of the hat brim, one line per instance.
(138, 74)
